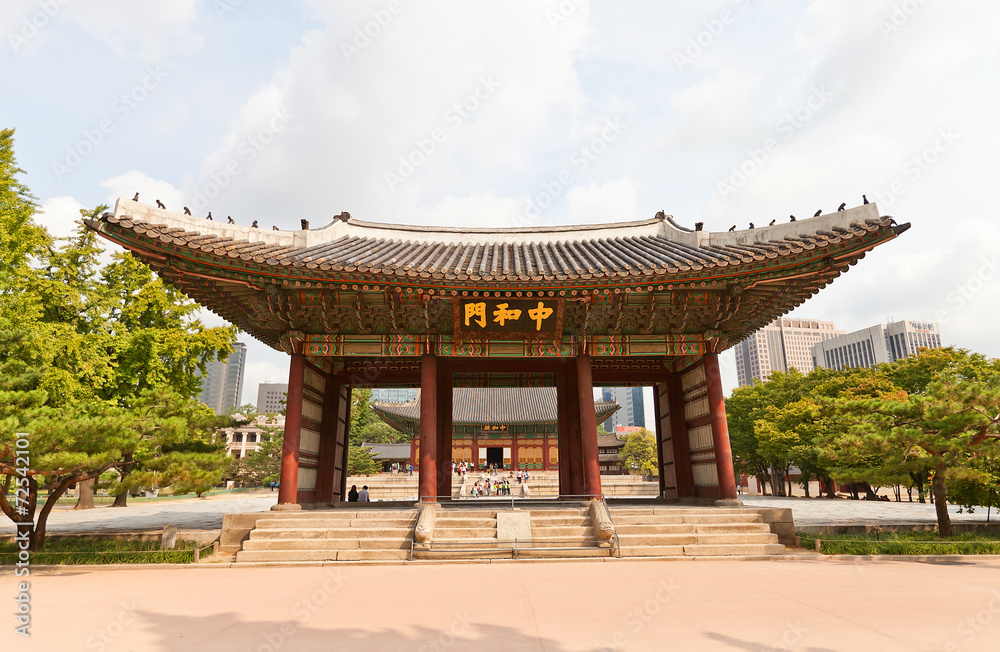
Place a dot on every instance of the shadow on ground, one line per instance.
(226, 631)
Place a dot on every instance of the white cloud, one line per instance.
(614, 201)
(149, 189)
(60, 216)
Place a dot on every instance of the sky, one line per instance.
(533, 112)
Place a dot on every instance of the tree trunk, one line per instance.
(918, 482)
(941, 502)
(121, 500)
(85, 490)
(831, 487)
(806, 485)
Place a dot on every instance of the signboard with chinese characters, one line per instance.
(502, 317)
(494, 428)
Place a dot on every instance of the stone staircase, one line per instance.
(563, 531)
(542, 484)
(335, 535)
(667, 531)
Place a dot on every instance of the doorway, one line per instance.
(494, 455)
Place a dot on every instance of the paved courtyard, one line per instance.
(796, 604)
(206, 514)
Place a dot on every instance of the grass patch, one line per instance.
(903, 543)
(105, 551)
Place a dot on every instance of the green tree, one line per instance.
(639, 452)
(361, 462)
(378, 432)
(20, 237)
(946, 420)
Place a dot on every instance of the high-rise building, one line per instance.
(271, 397)
(877, 344)
(633, 411)
(222, 384)
(785, 343)
(394, 394)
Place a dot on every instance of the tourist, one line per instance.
(518, 476)
(352, 495)
(363, 495)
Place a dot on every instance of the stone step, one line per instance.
(722, 518)
(652, 551)
(732, 550)
(565, 531)
(326, 544)
(646, 540)
(320, 555)
(560, 542)
(649, 529)
(556, 521)
(465, 532)
(648, 519)
(727, 528)
(459, 512)
(639, 511)
(284, 524)
(331, 533)
(743, 537)
(464, 522)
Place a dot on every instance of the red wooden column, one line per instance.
(445, 380)
(562, 423)
(588, 427)
(679, 437)
(573, 458)
(346, 398)
(288, 490)
(658, 436)
(720, 429)
(327, 463)
(428, 427)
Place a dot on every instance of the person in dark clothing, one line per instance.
(352, 495)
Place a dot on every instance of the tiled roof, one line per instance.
(495, 405)
(640, 248)
(389, 451)
(609, 440)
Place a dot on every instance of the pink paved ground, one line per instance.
(647, 605)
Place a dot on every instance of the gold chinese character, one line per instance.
(476, 310)
(502, 314)
(540, 314)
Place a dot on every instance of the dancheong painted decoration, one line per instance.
(359, 303)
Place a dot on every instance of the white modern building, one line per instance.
(271, 397)
(244, 440)
(877, 344)
(784, 344)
